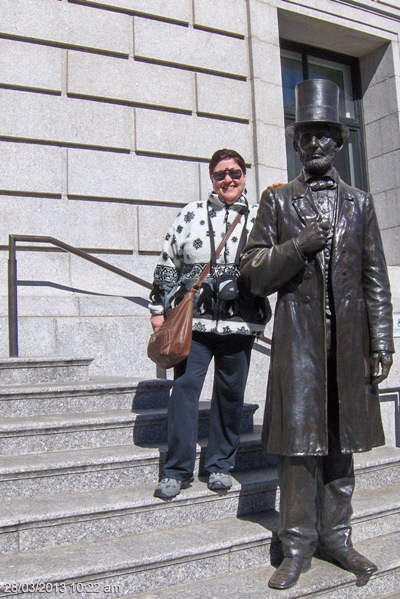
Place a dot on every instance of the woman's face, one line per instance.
(229, 189)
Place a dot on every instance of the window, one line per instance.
(304, 62)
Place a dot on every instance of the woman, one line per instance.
(223, 329)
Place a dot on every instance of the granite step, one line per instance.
(143, 562)
(322, 580)
(105, 467)
(374, 468)
(50, 473)
(117, 466)
(30, 524)
(20, 371)
(34, 523)
(146, 562)
(96, 393)
(377, 467)
(394, 595)
(376, 511)
(57, 432)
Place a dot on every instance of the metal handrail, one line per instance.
(12, 279)
(389, 390)
(13, 296)
(12, 284)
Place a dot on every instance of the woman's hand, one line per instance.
(156, 320)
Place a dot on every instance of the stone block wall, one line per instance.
(382, 130)
(110, 111)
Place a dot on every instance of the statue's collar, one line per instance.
(301, 188)
(330, 174)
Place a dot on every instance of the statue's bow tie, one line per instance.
(324, 183)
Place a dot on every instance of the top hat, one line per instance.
(317, 101)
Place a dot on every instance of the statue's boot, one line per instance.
(334, 527)
(350, 560)
(334, 514)
(288, 573)
(298, 515)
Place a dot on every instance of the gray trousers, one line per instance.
(316, 491)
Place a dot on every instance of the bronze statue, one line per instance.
(316, 242)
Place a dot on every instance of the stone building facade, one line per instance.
(110, 110)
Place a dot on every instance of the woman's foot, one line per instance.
(168, 488)
(219, 481)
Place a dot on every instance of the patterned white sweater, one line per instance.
(186, 250)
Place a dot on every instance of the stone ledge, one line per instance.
(59, 432)
(19, 371)
(57, 520)
(95, 393)
(32, 523)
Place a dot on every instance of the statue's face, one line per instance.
(316, 146)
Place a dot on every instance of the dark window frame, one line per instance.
(356, 124)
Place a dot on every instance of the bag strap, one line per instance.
(219, 249)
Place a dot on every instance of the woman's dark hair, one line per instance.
(222, 155)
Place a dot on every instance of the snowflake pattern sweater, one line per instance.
(186, 250)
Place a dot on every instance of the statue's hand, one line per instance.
(313, 237)
(381, 362)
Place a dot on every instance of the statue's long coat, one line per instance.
(296, 409)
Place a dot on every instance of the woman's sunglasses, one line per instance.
(234, 173)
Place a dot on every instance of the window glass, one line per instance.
(292, 74)
(349, 160)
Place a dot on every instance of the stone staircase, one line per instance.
(79, 458)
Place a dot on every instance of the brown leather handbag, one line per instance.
(171, 344)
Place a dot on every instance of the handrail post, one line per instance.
(12, 301)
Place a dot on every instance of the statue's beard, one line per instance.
(318, 166)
